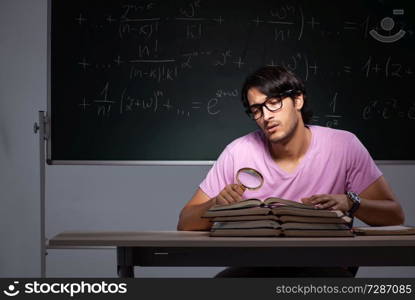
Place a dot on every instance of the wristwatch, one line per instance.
(356, 202)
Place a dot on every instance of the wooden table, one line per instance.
(193, 248)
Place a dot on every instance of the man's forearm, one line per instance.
(191, 217)
(380, 212)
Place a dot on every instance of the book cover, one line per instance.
(274, 224)
(253, 232)
(384, 230)
(285, 219)
(246, 224)
(276, 232)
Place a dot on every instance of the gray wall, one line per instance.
(89, 197)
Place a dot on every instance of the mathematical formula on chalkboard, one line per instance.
(118, 65)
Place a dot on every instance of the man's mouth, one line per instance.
(271, 128)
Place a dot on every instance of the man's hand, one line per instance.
(230, 194)
(335, 202)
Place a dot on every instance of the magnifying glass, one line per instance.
(249, 178)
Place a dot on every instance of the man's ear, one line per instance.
(299, 102)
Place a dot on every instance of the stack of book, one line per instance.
(277, 217)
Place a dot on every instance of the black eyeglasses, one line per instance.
(273, 104)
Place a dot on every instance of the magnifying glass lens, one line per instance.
(250, 178)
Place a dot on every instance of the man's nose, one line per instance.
(266, 113)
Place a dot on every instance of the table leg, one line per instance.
(125, 271)
(125, 265)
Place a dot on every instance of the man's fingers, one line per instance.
(305, 200)
(236, 188)
(320, 199)
(230, 194)
(328, 204)
(336, 207)
(233, 192)
(227, 196)
(221, 200)
(317, 197)
(239, 189)
(235, 196)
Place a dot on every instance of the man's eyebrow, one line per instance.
(256, 104)
(266, 99)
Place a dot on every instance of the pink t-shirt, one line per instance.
(335, 162)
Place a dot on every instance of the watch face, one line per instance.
(353, 196)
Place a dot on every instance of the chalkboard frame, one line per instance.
(48, 126)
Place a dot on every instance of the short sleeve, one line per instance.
(220, 175)
(362, 170)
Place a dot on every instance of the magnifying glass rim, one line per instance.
(251, 170)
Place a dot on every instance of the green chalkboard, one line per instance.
(160, 80)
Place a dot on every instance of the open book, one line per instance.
(272, 205)
(384, 230)
(270, 202)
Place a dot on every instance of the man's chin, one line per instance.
(276, 138)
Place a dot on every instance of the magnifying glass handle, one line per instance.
(242, 187)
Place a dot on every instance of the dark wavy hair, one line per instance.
(273, 81)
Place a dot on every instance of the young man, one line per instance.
(326, 167)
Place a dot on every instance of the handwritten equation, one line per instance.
(145, 25)
(104, 105)
(388, 109)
